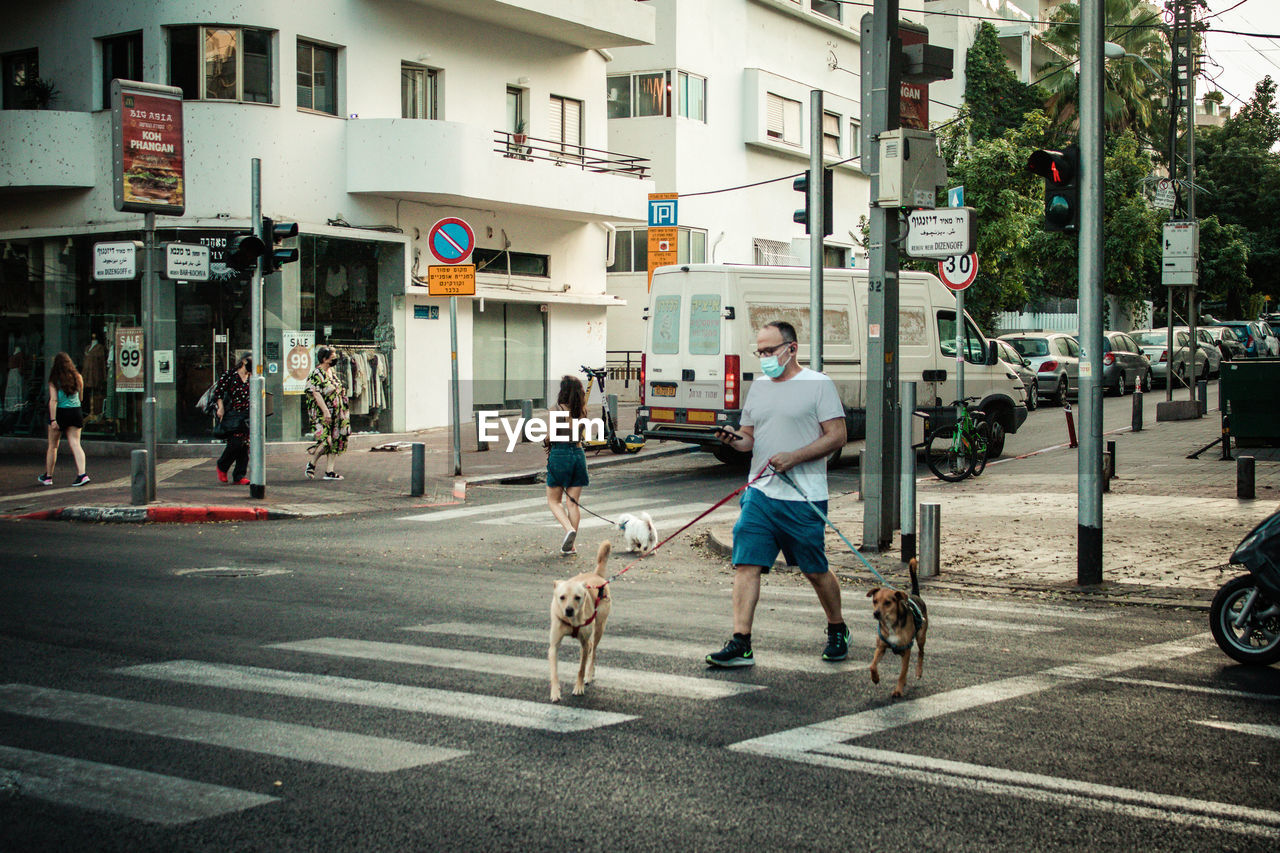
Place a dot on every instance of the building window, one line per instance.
(515, 110)
(855, 139)
(121, 60)
(19, 70)
(644, 94)
(693, 96)
(566, 124)
(317, 78)
(835, 257)
(517, 263)
(830, 8)
(831, 134)
(631, 248)
(782, 119)
(417, 91)
(771, 253)
(221, 63)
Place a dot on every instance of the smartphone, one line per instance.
(726, 435)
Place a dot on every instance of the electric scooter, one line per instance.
(1245, 614)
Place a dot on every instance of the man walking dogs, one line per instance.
(792, 421)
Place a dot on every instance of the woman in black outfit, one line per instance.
(232, 393)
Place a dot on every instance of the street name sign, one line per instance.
(942, 232)
(117, 261)
(186, 262)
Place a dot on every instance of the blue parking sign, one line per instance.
(662, 210)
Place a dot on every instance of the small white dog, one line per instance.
(580, 607)
(639, 532)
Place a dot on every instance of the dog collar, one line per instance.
(916, 617)
(599, 598)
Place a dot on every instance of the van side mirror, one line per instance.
(993, 352)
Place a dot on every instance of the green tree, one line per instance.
(996, 99)
(1132, 93)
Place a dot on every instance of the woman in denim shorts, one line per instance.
(567, 464)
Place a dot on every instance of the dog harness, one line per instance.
(917, 617)
(600, 595)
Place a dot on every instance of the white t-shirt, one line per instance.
(787, 415)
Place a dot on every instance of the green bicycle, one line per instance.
(959, 450)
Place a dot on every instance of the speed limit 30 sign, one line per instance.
(958, 271)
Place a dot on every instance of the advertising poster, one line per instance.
(298, 360)
(148, 162)
(129, 375)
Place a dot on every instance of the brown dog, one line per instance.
(580, 607)
(903, 620)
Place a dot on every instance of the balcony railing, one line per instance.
(521, 147)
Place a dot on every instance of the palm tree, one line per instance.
(1134, 90)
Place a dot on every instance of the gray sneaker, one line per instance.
(566, 546)
(736, 652)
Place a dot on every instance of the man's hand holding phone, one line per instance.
(727, 435)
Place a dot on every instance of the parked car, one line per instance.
(1025, 372)
(1225, 340)
(1124, 366)
(1248, 333)
(1056, 359)
(1208, 359)
(1154, 344)
(1273, 342)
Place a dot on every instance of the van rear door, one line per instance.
(685, 357)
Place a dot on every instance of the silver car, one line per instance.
(1024, 371)
(1154, 343)
(1056, 359)
(1124, 365)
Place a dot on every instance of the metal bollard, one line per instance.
(1106, 471)
(862, 475)
(1111, 451)
(481, 444)
(612, 401)
(1136, 423)
(1071, 426)
(526, 412)
(418, 470)
(1202, 396)
(138, 477)
(1244, 478)
(930, 539)
(1226, 438)
(907, 482)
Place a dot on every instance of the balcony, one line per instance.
(448, 163)
(46, 150)
(583, 23)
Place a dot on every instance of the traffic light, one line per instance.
(801, 184)
(1061, 173)
(243, 251)
(274, 255)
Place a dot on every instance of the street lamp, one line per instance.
(1111, 50)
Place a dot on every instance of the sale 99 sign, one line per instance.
(298, 360)
(129, 375)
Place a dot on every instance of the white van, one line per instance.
(702, 323)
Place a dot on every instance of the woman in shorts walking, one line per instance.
(567, 464)
(65, 417)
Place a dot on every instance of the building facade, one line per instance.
(372, 120)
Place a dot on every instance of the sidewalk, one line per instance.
(186, 488)
(1169, 523)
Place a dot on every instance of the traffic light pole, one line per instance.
(150, 288)
(817, 228)
(880, 480)
(1089, 284)
(257, 382)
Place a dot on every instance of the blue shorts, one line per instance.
(767, 525)
(566, 466)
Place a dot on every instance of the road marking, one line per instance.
(1196, 688)
(544, 516)
(467, 512)
(401, 697)
(1256, 729)
(134, 794)
(286, 740)
(766, 659)
(589, 522)
(950, 621)
(945, 604)
(1074, 793)
(852, 726)
(606, 676)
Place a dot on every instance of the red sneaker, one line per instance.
(222, 476)
(243, 481)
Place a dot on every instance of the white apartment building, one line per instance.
(721, 100)
(373, 120)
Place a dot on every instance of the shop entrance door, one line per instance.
(213, 331)
(509, 354)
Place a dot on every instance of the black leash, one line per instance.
(596, 514)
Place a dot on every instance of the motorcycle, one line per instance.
(1245, 614)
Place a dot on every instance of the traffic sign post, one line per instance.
(451, 241)
(957, 273)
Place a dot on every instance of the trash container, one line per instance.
(1250, 392)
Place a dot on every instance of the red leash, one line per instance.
(715, 506)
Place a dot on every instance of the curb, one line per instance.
(592, 462)
(156, 514)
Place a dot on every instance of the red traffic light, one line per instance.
(1056, 166)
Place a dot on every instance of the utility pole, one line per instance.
(817, 227)
(257, 382)
(1089, 285)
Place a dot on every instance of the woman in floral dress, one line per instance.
(330, 416)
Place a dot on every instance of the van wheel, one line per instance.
(995, 438)
(732, 458)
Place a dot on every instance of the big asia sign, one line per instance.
(913, 104)
(147, 144)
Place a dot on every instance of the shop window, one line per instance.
(516, 263)
(20, 69)
(121, 60)
(221, 63)
(509, 355)
(417, 91)
(317, 78)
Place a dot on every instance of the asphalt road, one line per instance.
(379, 683)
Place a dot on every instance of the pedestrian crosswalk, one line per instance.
(533, 512)
(646, 666)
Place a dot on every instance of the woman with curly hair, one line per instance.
(65, 417)
(567, 464)
(330, 415)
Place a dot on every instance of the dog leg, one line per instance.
(875, 662)
(919, 656)
(588, 650)
(902, 674)
(552, 655)
(595, 647)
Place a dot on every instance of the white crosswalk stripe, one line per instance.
(607, 677)
(484, 509)
(422, 700)
(1255, 729)
(134, 794)
(304, 743)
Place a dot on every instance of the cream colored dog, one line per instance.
(580, 607)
